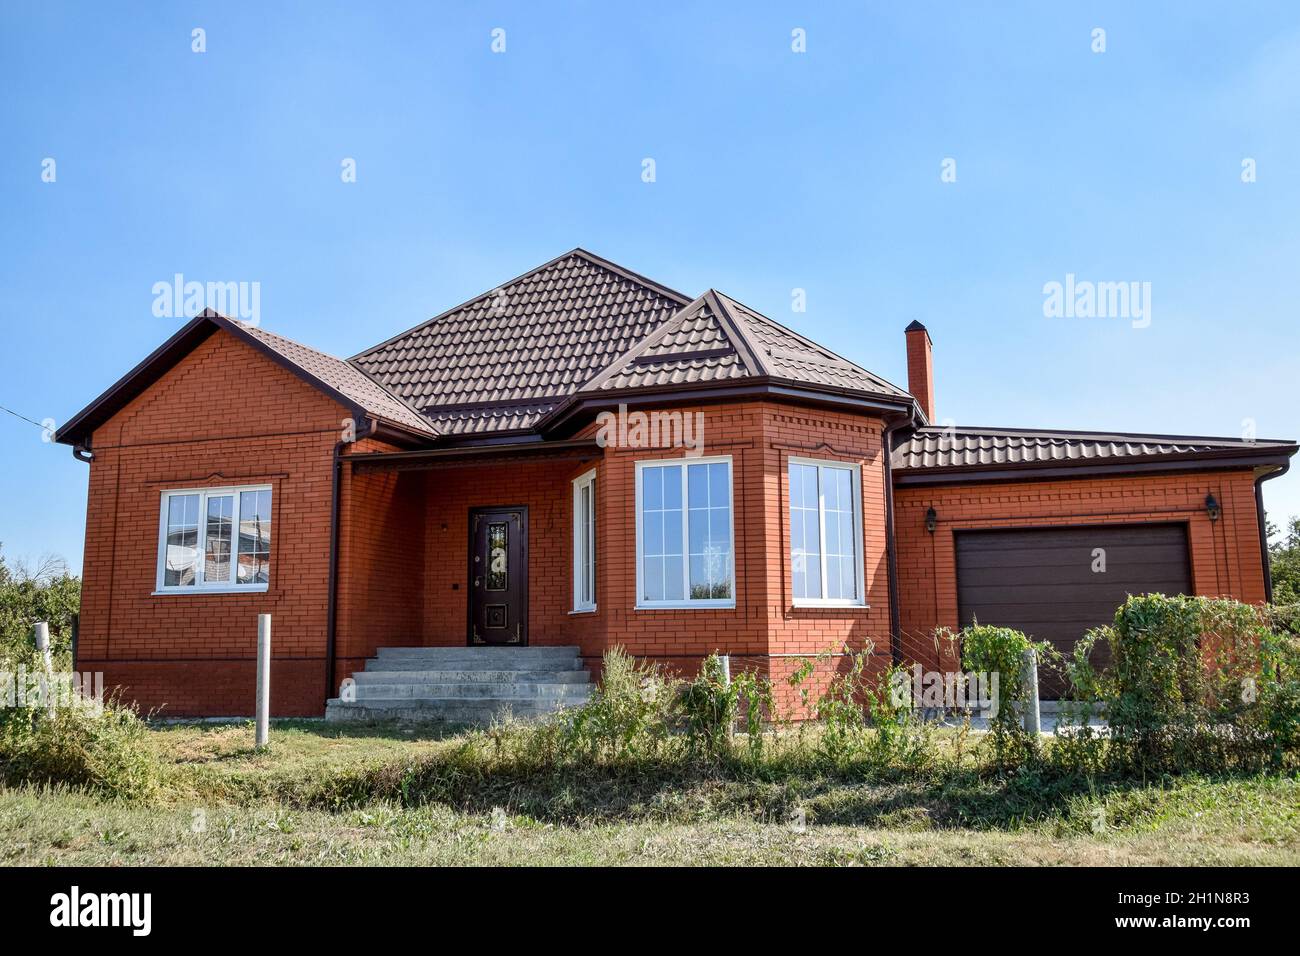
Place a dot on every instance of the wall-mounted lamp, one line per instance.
(1212, 509)
(931, 519)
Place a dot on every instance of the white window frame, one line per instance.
(202, 587)
(586, 480)
(860, 548)
(687, 603)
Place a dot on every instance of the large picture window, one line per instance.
(584, 542)
(215, 539)
(826, 533)
(685, 552)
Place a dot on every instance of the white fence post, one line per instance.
(1033, 720)
(725, 661)
(263, 679)
(41, 633)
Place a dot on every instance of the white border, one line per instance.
(687, 604)
(860, 556)
(586, 479)
(221, 587)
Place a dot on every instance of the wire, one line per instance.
(25, 418)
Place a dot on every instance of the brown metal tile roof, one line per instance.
(336, 378)
(940, 449)
(341, 377)
(535, 339)
(503, 361)
(715, 338)
(494, 418)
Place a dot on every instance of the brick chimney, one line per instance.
(920, 368)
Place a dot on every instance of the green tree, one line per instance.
(45, 592)
(1284, 556)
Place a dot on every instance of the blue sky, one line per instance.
(775, 170)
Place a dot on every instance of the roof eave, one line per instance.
(1043, 471)
(574, 413)
(78, 429)
(80, 426)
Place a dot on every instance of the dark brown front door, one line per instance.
(498, 575)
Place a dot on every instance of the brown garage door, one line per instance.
(1042, 581)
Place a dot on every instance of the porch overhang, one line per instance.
(459, 456)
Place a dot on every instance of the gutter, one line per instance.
(331, 612)
(484, 450)
(891, 556)
(1263, 526)
(754, 387)
(1217, 461)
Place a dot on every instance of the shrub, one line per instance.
(712, 703)
(1195, 684)
(47, 593)
(1000, 651)
(899, 740)
(630, 713)
(105, 750)
(842, 710)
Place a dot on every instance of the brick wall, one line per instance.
(225, 415)
(1225, 555)
(228, 415)
(391, 515)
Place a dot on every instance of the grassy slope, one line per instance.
(229, 805)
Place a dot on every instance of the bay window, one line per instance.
(684, 540)
(215, 539)
(826, 533)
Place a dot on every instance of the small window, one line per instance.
(684, 534)
(215, 539)
(826, 533)
(584, 542)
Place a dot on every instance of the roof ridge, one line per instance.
(816, 346)
(577, 251)
(639, 348)
(754, 359)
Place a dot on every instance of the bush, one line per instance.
(1195, 684)
(105, 750)
(1000, 651)
(47, 593)
(630, 713)
(714, 701)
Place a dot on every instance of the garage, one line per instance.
(1056, 583)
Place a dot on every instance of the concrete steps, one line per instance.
(470, 685)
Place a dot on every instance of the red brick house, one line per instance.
(630, 467)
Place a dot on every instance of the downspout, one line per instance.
(891, 557)
(1263, 527)
(331, 613)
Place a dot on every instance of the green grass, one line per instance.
(384, 794)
